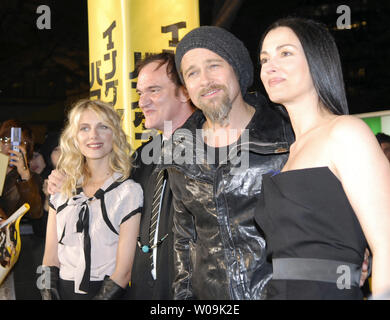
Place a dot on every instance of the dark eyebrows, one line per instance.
(188, 69)
(213, 60)
(280, 47)
(208, 61)
(148, 88)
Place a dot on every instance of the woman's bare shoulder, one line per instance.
(350, 129)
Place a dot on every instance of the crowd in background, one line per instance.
(26, 182)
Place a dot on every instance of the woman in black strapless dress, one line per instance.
(333, 192)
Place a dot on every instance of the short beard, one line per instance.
(217, 113)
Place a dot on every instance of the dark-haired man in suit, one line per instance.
(166, 107)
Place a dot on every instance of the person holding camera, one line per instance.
(21, 186)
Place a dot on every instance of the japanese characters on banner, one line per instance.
(121, 32)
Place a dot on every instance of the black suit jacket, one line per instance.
(143, 286)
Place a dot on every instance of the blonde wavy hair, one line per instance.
(72, 162)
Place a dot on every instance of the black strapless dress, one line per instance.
(313, 236)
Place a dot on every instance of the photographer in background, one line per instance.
(21, 186)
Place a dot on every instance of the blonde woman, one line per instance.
(93, 222)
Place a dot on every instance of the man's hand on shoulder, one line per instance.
(55, 182)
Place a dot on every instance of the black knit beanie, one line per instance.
(223, 43)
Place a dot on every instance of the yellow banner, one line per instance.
(10, 243)
(121, 32)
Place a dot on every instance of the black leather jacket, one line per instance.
(219, 252)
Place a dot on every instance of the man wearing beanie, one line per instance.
(219, 252)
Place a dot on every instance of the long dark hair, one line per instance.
(323, 59)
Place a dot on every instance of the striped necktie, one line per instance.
(155, 210)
